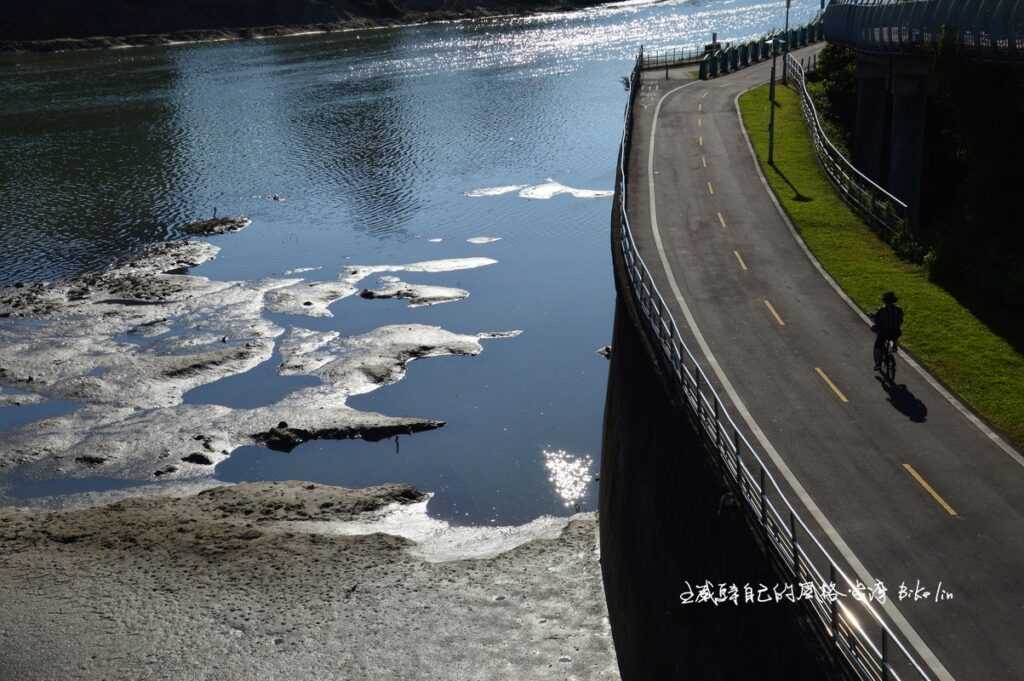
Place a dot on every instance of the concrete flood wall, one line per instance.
(665, 517)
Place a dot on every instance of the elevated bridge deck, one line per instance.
(898, 493)
(982, 29)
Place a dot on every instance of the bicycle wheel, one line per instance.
(889, 367)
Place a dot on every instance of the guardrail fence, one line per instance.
(733, 57)
(859, 641)
(664, 59)
(876, 206)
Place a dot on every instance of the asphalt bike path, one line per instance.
(898, 482)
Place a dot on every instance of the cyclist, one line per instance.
(888, 323)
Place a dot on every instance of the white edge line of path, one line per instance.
(913, 638)
(898, 619)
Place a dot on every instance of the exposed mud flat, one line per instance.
(358, 364)
(12, 399)
(297, 581)
(546, 190)
(315, 297)
(84, 339)
(418, 295)
(129, 342)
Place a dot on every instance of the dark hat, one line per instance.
(889, 297)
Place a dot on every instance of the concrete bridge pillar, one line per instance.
(907, 141)
(890, 132)
(871, 134)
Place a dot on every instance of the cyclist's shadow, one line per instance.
(905, 401)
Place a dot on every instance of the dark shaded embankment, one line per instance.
(666, 518)
(51, 25)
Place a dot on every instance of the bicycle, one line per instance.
(887, 361)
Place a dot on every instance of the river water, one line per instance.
(371, 147)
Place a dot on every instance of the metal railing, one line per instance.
(875, 205)
(989, 29)
(859, 641)
(668, 58)
(734, 57)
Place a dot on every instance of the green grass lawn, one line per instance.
(975, 363)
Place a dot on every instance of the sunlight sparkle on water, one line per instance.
(569, 474)
(557, 43)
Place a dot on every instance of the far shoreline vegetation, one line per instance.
(56, 26)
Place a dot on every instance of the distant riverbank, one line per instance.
(38, 29)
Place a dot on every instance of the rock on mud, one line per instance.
(285, 438)
(215, 226)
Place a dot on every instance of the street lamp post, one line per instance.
(784, 69)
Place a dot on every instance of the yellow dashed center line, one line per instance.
(928, 488)
(775, 314)
(711, 190)
(703, 161)
(700, 107)
(700, 140)
(740, 258)
(722, 221)
(837, 391)
(700, 122)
